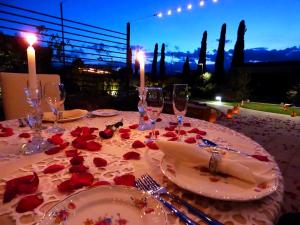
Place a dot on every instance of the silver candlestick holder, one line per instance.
(142, 104)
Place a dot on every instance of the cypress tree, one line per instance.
(162, 66)
(154, 62)
(186, 70)
(219, 64)
(202, 56)
(238, 53)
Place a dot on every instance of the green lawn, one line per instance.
(267, 107)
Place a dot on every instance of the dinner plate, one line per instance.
(220, 187)
(113, 205)
(67, 115)
(105, 112)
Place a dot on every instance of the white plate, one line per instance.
(217, 187)
(68, 115)
(105, 112)
(112, 203)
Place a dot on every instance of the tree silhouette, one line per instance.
(154, 62)
(186, 69)
(162, 66)
(238, 53)
(219, 64)
(202, 56)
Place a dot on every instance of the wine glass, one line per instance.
(155, 103)
(55, 96)
(33, 96)
(180, 100)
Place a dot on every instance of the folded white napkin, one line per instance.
(66, 114)
(242, 167)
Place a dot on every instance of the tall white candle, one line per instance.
(141, 59)
(32, 77)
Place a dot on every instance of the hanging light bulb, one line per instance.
(179, 9)
(189, 6)
(169, 12)
(202, 3)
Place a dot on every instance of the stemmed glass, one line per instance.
(180, 100)
(155, 103)
(55, 96)
(33, 98)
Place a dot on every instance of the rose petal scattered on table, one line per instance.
(25, 135)
(79, 180)
(133, 126)
(152, 145)
(173, 123)
(76, 132)
(78, 168)
(72, 153)
(77, 160)
(93, 146)
(100, 183)
(53, 168)
(199, 136)
(170, 128)
(197, 131)
(186, 124)
(170, 134)
(190, 140)
(182, 132)
(146, 118)
(6, 131)
(158, 120)
(99, 162)
(138, 144)
(65, 186)
(125, 135)
(56, 139)
(261, 158)
(53, 150)
(29, 203)
(124, 130)
(127, 180)
(79, 143)
(131, 155)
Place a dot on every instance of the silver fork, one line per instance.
(142, 186)
(155, 189)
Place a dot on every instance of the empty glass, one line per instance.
(155, 103)
(33, 97)
(180, 100)
(55, 96)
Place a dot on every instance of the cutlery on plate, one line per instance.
(155, 189)
(142, 186)
(209, 143)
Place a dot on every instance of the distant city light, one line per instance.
(160, 15)
(169, 12)
(189, 6)
(202, 3)
(179, 9)
(219, 98)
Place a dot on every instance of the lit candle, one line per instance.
(32, 78)
(141, 58)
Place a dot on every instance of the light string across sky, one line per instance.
(181, 9)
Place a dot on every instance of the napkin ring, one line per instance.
(213, 162)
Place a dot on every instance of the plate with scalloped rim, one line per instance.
(105, 112)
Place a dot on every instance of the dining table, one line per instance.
(147, 159)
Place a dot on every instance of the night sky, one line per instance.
(271, 24)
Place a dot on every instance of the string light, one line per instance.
(189, 7)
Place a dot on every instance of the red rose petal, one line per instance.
(101, 183)
(199, 136)
(261, 158)
(146, 118)
(99, 162)
(197, 131)
(79, 142)
(11, 190)
(124, 130)
(186, 124)
(173, 139)
(72, 153)
(131, 155)
(125, 135)
(53, 168)
(93, 146)
(127, 179)
(78, 168)
(6, 131)
(77, 160)
(79, 180)
(76, 132)
(65, 186)
(173, 123)
(190, 140)
(133, 126)
(29, 186)
(29, 203)
(158, 120)
(24, 135)
(170, 128)
(152, 145)
(56, 139)
(138, 144)
(170, 134)
(53, 150)
(182, 132)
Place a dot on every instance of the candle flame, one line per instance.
(141, 57)
(30, 38)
